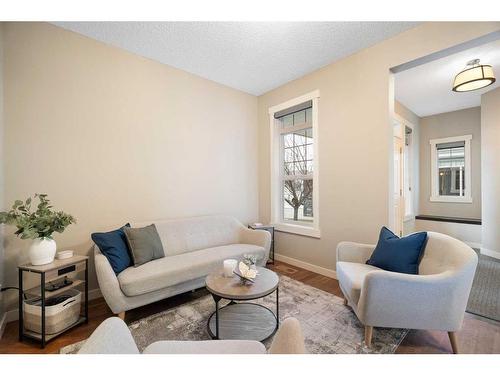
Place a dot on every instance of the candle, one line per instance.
(229, 266)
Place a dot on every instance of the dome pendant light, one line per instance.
(473, 77)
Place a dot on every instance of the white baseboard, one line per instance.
(13, 315)
(490, 253)
(307, 266)
(474, 245)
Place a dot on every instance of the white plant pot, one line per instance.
(42, 251)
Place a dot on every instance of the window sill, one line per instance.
(450, 199)
(297, 229)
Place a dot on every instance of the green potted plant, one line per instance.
(37, 225)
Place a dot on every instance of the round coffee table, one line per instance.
(242, 320)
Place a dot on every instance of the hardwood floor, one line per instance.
(478, 335)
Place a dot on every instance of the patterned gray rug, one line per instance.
(328, 325)
(484, 299)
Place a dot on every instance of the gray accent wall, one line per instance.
(406, 113)
(451, 124)
(490, 155)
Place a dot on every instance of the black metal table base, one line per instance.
(241, 330)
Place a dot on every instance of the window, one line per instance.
(451, 169)
(294, 171)
(451, 164)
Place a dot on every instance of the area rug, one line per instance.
(328, 325)
(484, 299)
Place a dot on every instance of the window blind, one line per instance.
(441, 146)
(295, 108)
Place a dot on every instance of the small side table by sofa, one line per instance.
(270, 229)
(241, 319)
(54, 271)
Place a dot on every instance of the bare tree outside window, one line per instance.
(294, 168)
(299, 194)
(297, 169)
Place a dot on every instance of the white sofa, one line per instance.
(435, 299)
(193, 247)
(113, 337)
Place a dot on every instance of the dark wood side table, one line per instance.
(54, 271)
(270, 229)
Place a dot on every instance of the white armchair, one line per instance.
(114, 337)
(435, 299)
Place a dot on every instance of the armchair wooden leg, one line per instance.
(368, 336)
(121, 315)
(453, 341)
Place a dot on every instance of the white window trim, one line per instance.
(276, 211)
(435, 197)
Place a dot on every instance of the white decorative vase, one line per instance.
(42, 251)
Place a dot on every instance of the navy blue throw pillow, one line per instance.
(398, 254)
(113, 245)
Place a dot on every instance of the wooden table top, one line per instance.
(231, 288)
(56, 264)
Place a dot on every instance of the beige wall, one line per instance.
(451, 124)
(490, 162)
(1, 171)
(355, 133)
(113, 137)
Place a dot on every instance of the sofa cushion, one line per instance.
(398, 254)
(144, 244)
(113, 246)
(206, 347)
(173, 270)
(351, 277)
(196, 233)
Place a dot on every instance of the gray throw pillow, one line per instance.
(144, 244)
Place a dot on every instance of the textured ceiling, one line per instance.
(426, 89)
(254, 57)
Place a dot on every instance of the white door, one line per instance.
(398, 186)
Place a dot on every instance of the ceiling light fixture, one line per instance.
(474, 76)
